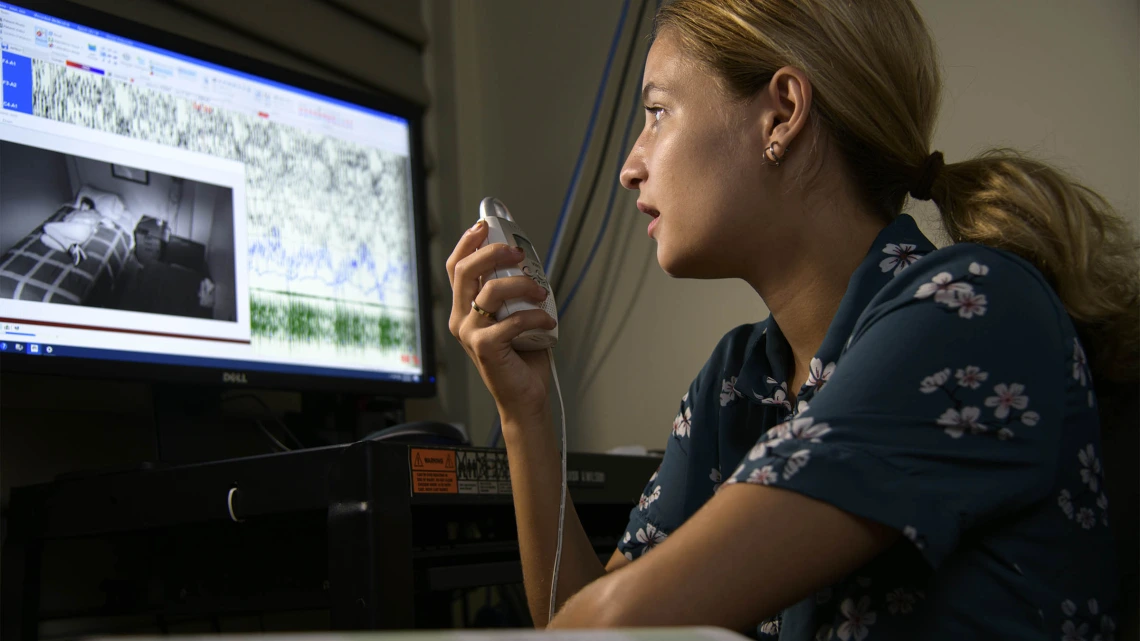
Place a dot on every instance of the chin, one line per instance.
(677, 264)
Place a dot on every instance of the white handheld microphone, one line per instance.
(502, 228)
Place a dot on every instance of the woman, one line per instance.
(909, 447)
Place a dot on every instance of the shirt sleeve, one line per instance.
(945, 409)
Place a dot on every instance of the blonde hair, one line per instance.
(876, 87)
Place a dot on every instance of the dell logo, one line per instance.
(234, 377)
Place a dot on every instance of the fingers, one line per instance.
(468, 243)
(500, 290)
(466, 273)
(487, 342)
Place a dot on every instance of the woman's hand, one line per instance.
(517, 380)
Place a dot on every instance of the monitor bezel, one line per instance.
(378, 100)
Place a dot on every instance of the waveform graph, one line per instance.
(311, 326)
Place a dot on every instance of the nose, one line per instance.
(633, 172)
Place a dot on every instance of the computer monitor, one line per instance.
(171, 211)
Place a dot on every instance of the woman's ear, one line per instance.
(788, 102)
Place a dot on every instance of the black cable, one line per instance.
(593, 371)
(264, 430)
(269, 413)
(602, 304)
(564, 263)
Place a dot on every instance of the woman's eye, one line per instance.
(656, 112)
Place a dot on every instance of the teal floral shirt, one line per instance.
(951, 400)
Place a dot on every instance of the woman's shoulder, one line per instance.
(975, 282)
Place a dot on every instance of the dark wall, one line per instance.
(33, 184)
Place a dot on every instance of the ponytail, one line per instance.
(1086, 251)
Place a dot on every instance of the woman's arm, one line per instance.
(536, 483)
(748, 553)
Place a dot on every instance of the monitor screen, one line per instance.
(163, 209)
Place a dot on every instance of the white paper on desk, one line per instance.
(627, 634)
(647, 634)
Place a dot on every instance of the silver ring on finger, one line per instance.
(475, 306)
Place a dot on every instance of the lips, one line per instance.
(656, 215)
(648, 209)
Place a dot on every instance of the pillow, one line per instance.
(107, 203)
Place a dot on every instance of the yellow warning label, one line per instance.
(434, 483)
(436, 460)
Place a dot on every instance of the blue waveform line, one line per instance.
(270, 257)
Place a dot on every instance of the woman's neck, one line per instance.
(803, 292)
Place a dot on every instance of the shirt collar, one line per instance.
(768, 357)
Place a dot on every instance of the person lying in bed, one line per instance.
(76, 228)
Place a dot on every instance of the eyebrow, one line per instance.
(651, 87)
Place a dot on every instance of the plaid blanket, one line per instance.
(33, 271)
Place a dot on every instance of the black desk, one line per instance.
(383, 544)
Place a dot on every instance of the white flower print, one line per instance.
(715, 477)
(806, 429)
(778, 397)
(1107, 629)
(628, 555)
(1094, 607)
(728, 391)
(1102, 501)
(655, 473)
(1004, 434)
(1068, 607)
(818, 373)
(801, 407)
(1086, 517)
(858, 619)
(824, 632)
(979, 269)
(1090, 467)
(796, 462)
(971, 377)
(1030, 418)
(763, 476)
(935, 381)
(1073, 633)
(770, 627)
(760, 450)
(682, 424)
(1080, 363)
(650, 536)
(968, 304)
(911, 533)
(942, 288)
(901, 601)
(958, 423)
(1065, 500)
(1007, 396)
(648, 499)
(902, 256)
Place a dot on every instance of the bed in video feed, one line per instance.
(79, 231)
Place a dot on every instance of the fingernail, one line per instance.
(517, 251)
(478, 225)
(542, 294)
